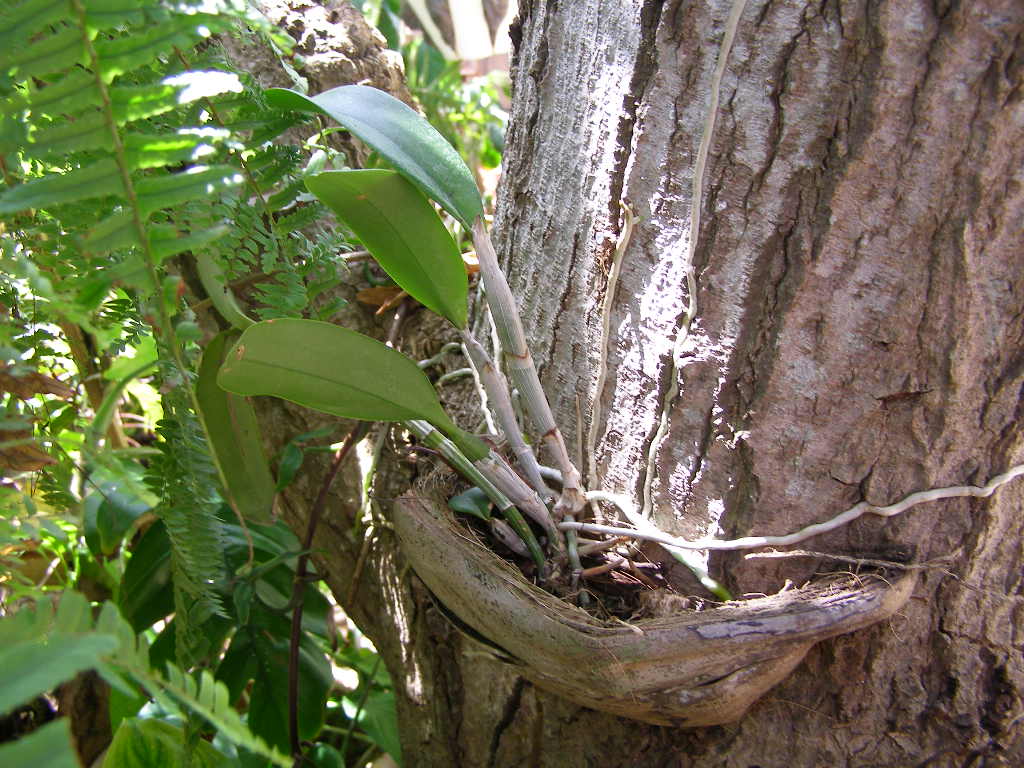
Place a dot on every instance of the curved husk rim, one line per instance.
(694, 668)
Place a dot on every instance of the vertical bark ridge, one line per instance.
(860, 284)
(560, 193)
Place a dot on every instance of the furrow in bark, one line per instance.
(507, 717)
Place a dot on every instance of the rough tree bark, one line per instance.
(860, 275)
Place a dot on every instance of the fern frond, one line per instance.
(110, 644)
(185, 480)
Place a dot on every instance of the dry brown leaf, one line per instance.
(33, 383)
(378, 295)
(22, 457)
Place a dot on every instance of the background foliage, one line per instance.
(140, 169)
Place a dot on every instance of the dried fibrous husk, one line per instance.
(693, 668)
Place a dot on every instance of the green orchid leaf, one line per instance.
(235, 438)
(403, 232)
(411, 144)
(330, 369)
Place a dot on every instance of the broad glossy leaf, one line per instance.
(323, 755)
(403, 232)
(471, 502)
(330, 369)
(146, 595)
(108, 515)
(234, 435)
(411, 144)
(378, 719)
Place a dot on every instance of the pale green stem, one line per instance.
(496, 386)
(472, 471)
(451, 346)
(521, 368)
(108, 407)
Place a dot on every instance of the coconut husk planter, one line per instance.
(688, 669)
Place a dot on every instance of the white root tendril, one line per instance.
(651, 533)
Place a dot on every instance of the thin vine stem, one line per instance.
(299, 584)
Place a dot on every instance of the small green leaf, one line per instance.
(472, 502)
(411, 144)
(145, 743)
(49, 746)
(288, 466)
(32, 668)
(331, 369)
(242, 599)
(96, 180)
(378, 720)
(195, 183)
(403, 232)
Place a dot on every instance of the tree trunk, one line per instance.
(860, 311)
